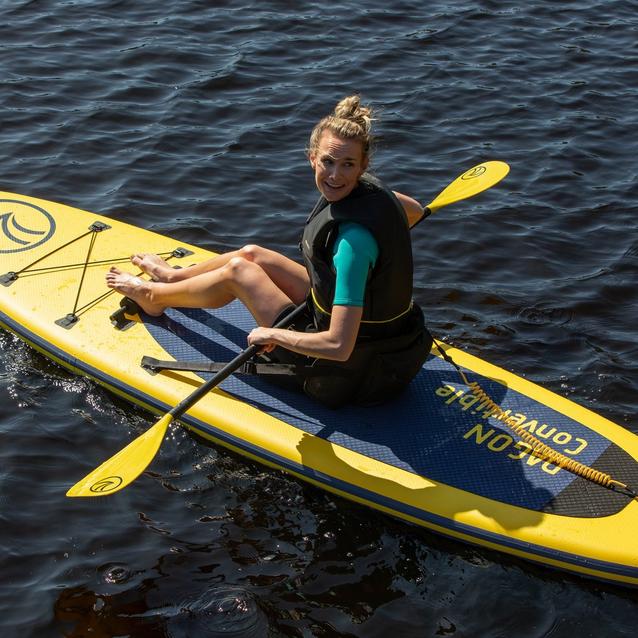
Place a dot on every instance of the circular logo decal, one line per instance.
(107, 484)
(475, 172)
(23, 226)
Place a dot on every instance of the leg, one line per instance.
(286, 274)
(239, 278)
(160, 270)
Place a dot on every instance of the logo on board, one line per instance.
(475, 172)
(23, 226)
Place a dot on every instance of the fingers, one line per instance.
(259, 337)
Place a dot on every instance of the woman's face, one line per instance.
(338, 164)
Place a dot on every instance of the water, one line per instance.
(192, 119)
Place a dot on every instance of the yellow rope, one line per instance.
(541, 450)
(538, 448)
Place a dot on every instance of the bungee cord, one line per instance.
(537, 447)
(72, 317)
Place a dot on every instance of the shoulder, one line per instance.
(357, 237)
(369, 199)
(370, 186)
(355, 233)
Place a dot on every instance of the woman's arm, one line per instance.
(336, 343)
(413, 210)
(355, 253)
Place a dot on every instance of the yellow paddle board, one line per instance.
(436, 457)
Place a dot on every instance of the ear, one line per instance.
(312, 158)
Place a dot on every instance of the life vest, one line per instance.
(388, 296)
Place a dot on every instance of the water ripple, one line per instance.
(222, 611)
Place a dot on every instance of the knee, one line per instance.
(238, 274)
(251, 252)
(238, 267)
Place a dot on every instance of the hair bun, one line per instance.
(349, 120)
(350, 108)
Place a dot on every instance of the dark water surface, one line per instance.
(191, 118)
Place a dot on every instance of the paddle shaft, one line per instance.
(249, 352)
(229, 368)
(426, 213)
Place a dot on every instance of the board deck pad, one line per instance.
(430, 430)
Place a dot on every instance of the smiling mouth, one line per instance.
(334, 193)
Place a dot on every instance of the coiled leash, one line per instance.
(537, 447)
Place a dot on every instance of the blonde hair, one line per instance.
(350, 120)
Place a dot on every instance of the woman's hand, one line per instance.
(262, 337)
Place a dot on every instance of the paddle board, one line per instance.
(436, 457)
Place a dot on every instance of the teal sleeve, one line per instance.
(354, 255)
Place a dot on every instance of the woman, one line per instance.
(357, 275)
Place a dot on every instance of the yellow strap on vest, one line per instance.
(328, 313)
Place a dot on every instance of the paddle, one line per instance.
(472, 182)
(123, 468)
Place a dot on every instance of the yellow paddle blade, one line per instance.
(123, 468)
(472, 182)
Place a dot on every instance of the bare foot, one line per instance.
(135, 288)
(154, 266)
